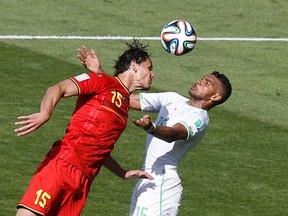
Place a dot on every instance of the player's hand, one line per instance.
(89, 59)
(142, 122)
(30, 123)
(135, 174)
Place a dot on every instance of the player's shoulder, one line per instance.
(106, 79)
(162, 96)
(175, 97)
(89, 76)
(99, 75)
(174, 94)
(171, 95)
(201, 115)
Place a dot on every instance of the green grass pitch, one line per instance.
(239, 169)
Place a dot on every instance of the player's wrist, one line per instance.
(150, 128)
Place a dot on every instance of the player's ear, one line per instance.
(133, 66)
(216, 97)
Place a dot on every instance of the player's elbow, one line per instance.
(171, 139)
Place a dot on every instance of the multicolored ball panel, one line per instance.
(178, 37)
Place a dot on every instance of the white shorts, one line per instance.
(158, 197)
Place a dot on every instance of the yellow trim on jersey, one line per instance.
(111, 110)
(123, 85)
(76, 85)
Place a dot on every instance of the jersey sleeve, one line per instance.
(194, 123)
(88, 83)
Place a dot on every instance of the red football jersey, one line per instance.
(99, 118)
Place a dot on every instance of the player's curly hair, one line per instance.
(136, 52)
(225, 84)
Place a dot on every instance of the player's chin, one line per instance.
(149, 85)
(146, 88)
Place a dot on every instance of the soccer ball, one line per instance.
(178, 37)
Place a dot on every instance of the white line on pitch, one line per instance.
(44, 37)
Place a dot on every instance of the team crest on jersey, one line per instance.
(82, 77)
(125, 100)
(198, 123)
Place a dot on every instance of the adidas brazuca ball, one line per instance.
(178, 37)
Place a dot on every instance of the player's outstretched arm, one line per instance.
(112, 165)
(30, 123)
(89, 59)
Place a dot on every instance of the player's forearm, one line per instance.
(115, 167)
(65, 88)
(50, 100)
(168, 134)
(165, 133)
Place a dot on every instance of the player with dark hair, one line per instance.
(181, 124)
(135, 52)
(62, 181)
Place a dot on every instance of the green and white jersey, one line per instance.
(172, 108)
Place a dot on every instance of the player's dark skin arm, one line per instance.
(168, 134)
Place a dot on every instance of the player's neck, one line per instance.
(201, 104)
(126, 79)
(131, 81)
